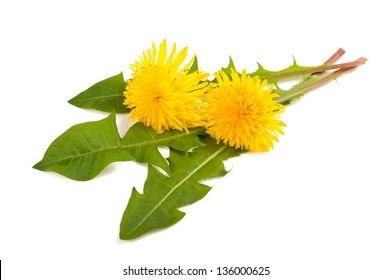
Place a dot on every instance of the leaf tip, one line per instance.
(194, 66)
(231, 62)
(294, 61)
(37, 166)
(73, 101)
(123, 236)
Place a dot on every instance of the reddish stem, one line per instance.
(334, 58)
(332, 76)
(318, 69)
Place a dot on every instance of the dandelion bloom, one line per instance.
(162, 94)
(242, 113)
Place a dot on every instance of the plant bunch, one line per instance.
(202, 122)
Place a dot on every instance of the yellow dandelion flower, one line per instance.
(242, 113)
(162, 94)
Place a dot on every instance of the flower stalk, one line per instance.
(329, 65)
(317, 69)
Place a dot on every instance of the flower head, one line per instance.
(242, 113)
(162, 94)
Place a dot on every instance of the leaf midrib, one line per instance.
(155, 141)
(208, 159)
(101, 96)
(83, 154)
(158, 141)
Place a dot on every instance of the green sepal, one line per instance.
(106, 96)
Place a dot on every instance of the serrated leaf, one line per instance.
(311, 77)
(84, 150)
(142, 143)
(106, 96)
(158, 206)
(295, 70)
(229, 68)
(303, 86)
(274, 77)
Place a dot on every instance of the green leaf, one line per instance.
(142, 143)
(303, 87)
(194, 66)
(106, 96)
(293, 71)
(311, 77)
(228, 69)
(274, 77)
(158, 206)
(84, 150)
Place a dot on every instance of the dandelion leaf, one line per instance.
(307, 76)
(229, 68)
(274, 77)
(194, 66)
(142, 143)
(157, 207)
(291, 72)
(106, 96)
(84, 150)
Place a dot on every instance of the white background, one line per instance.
(316, 207)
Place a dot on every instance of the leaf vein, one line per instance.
(158, 141)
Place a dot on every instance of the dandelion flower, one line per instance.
(162, 94)
(242, 113)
